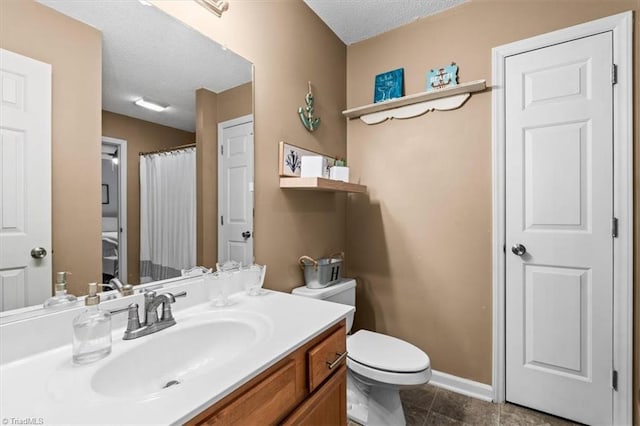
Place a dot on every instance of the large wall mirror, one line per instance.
(173, 145)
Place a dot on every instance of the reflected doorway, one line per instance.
(235, 190)
(114, 209)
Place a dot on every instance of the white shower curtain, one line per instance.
(167, 214)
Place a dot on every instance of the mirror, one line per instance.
(159, 187)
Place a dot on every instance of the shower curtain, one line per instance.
(167, 214)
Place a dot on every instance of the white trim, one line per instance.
(498, 222)
(621, 26)
(221, 126)
(462, 386)
(122, 210)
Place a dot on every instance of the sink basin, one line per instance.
(173, 356)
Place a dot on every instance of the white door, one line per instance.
(559, 207)
(114, 229)
(235, 190)
(25, 181)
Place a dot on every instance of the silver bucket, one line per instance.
(322, 272)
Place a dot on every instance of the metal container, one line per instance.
(322, 273)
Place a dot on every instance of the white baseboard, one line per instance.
(463, 386)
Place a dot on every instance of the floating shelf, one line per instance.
(414, 105)
(320, 184)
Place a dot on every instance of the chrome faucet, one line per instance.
(116, 284)
(152, 323)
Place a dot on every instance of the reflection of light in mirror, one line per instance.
(153, 106)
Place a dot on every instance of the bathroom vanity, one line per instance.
(275, 358)
(307, 386)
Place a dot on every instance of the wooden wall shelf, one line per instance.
(320, 184)
(417, 104)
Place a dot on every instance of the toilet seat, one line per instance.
(388, 377)
(387, 359)
(386, 353)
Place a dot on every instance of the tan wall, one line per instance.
(75, 52)
(141, 136)
(421, 239)
(236, 102)
(207, 178)
(288, 45)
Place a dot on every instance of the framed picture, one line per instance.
(389, 85)
(105, 194)
(439, 78)
(290, 159)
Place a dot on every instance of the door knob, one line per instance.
(518, 249)
(246, 235)
(38, 252)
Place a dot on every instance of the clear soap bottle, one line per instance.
(91, 330)
(60, 298)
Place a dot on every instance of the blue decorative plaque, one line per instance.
(439, 78)
(389, 85)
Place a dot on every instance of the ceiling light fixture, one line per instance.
(217, 7)
(144, 2)
(153, 106)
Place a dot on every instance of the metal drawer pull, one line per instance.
(341, 356)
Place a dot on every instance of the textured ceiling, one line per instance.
(145, 52)
(356, 20)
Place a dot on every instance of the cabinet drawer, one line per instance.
(264, 404)
(327, 357)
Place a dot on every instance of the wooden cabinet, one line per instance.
(306, 387)
(325, 357)
(327, 406)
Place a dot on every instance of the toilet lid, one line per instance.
(386, 353)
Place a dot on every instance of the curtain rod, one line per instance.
(173, 148)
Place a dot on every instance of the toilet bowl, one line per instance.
(378, 366)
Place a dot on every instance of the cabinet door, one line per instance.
(264, 404)
(327, 406)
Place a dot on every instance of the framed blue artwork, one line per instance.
(439, 78)
(389, 85)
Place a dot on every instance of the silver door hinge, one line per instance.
(221, 220)
(614, 380)
(614, 227)
(614, 74)
(221, 149)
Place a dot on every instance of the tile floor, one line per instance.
(428, 406)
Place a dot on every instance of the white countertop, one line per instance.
(48, 386)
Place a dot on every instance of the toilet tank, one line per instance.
(343, 292)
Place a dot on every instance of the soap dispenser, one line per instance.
(61, 298)
(91, 330)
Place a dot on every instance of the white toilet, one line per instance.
(377, 365)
